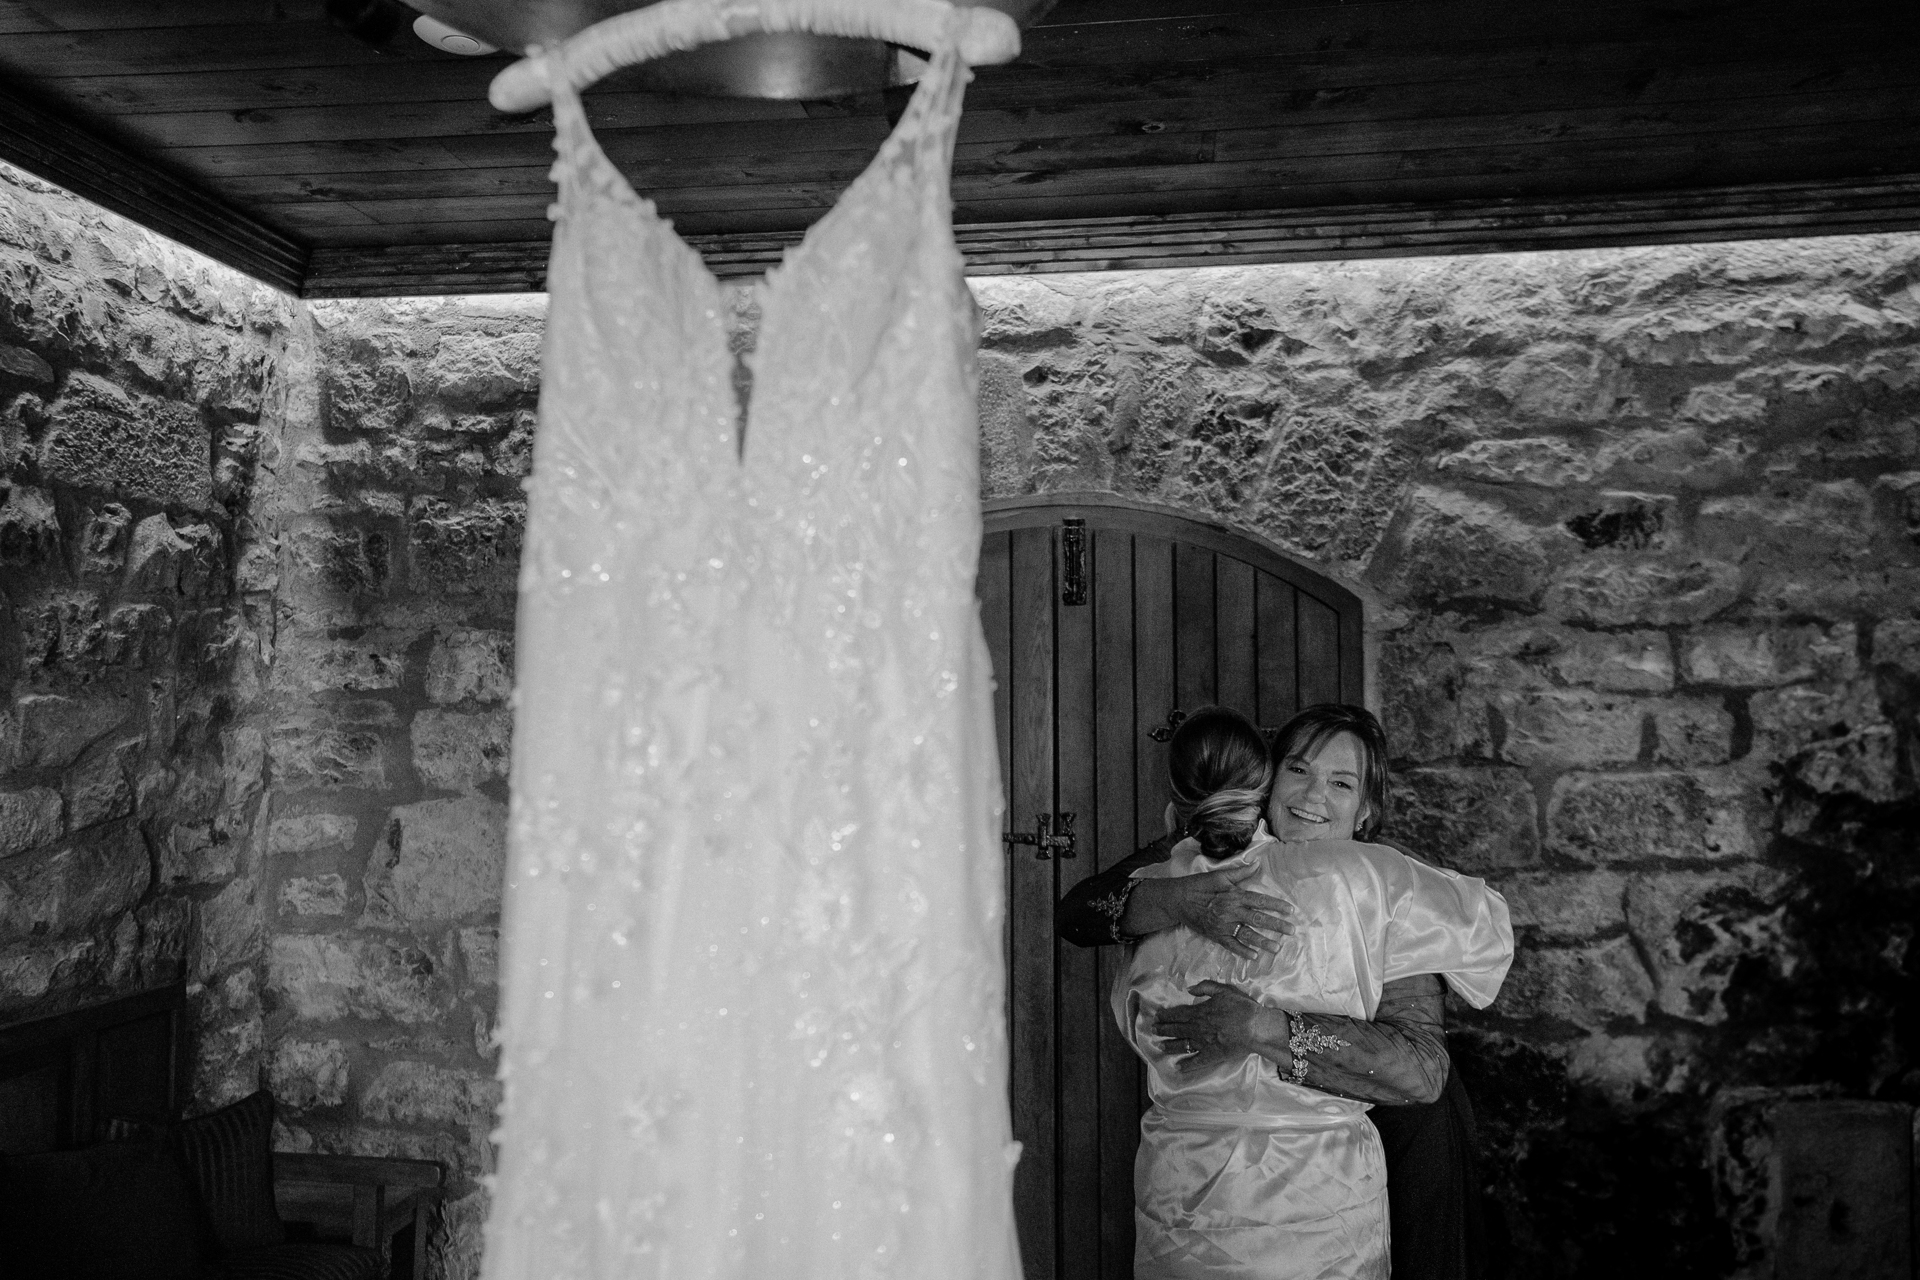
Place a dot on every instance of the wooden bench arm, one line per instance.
(357, 1171)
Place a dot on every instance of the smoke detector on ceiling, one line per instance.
(449, 39)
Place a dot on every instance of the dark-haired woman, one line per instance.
(1264, 1053)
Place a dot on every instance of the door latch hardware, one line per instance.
(1175, 718)
(1073, 554)
(1045, 838)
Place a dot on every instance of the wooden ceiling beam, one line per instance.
(1214, 239)
(110, 175)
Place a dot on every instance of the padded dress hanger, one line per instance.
(986, 36)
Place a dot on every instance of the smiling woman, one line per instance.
(1332, 779)
(1278, 989)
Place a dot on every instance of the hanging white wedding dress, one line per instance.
(752, 1003)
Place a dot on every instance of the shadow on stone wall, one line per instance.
(400, 517)
(136, 390)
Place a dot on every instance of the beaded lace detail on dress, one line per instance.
(752, 992)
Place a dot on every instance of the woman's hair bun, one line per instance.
(1220, 769)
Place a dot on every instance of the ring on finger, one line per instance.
(1236, 931)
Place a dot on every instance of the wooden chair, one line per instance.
(375, 1200)
(66, 1081)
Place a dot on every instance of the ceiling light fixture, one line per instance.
(449, 39)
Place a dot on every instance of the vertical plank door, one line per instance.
(1175, 613)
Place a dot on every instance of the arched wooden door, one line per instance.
(1098, 629)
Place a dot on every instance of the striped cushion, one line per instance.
(304, 1262)
(228, 1155)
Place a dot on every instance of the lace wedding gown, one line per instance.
(753, 991)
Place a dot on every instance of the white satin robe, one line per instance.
(1241, 1174)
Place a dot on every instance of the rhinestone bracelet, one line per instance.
(1303, 1039)
(1114, 906)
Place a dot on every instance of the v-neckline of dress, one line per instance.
(576, 144)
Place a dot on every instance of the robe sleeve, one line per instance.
(1449, 924)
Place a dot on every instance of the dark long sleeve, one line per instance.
(1398, 1058)
(1088, 915)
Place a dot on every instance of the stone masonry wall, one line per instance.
(136, 387)
(399, 525)
(1639, 533)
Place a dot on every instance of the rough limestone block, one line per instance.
(465, 548)
(1570, 727)
(1865, 763)
(440, 860)
(98, 791)
(341, 559)
(155, 557)
(1621, 1068)
(1695, 926)
(1587, 986)
(455, 751)
(191, 855)
(480, 954)
(1545, 657)
(1619, 592)
(44, 730)
(28, 968)
(1896, 644)
(1480, 821)
(1566, 906)
(467, 664)
(1788, 721)
(465, 1219)
(1689, 731)
(313, 664)
(1611, 818)
(18, 362)
(1006, 437)
(243, 764)
(1426, 710)
(1801, 525)
(1767, 656)
(1564, 382)
(321, 895)
(1899, 495)
(103, 546)
(99, 438)
(1722, 403)
(64, 638)
(164, 925)
(480, 370)
(29, 819)
(1455, 547)
(365, 386)
(71, 889)
(1547, 461)
(420, 1093)
(332, 747)
(1621, 662)
(305, 1074)
(226, 1065)
(1622, 521)
(312, 833)
(227, 930)
(320, 978)
(138, 635)
(29, 528)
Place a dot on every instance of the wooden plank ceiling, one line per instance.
(1129, 133)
